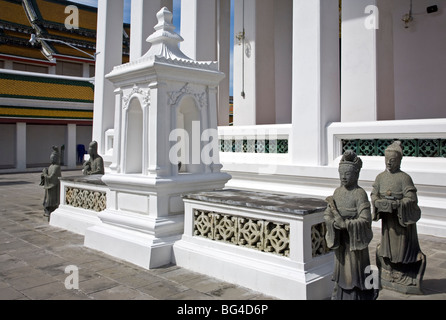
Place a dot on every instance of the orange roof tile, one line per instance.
(13, 12)
(54, 11)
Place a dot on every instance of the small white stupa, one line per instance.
(165, 145)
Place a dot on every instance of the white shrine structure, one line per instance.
(302, 95)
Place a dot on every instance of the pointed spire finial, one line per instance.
(164, 40)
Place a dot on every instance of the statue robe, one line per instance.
(94, 166)
(350, 244)
(399, 241)
(51, 184)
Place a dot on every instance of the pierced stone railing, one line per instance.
(86, 199)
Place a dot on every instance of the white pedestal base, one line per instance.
(141, 249)
(73, 219)
(271, 275)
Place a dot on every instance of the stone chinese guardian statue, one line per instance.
(94, 165)
(394, 201)
(49, 179)
(349, 232)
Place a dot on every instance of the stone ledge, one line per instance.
(291, 204)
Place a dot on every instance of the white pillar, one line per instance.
(198, 29)
(8, 64)
(367, 61)
(109, 48)
(70, 160)
(224, 52)
(143, 19)
(315, 101)
(244, 64)
(20, 146)
(254, 63)
(86, 70)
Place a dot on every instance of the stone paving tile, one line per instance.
(163, 289)
(45, 291)
(191, 294)
(96, 283)
(32, 280)
(231, 291)
(9, 293)
(34, 255)
(139, 280)
(120, 292)
(204, 284)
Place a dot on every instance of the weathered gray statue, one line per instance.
(94, 165)
(349, 232)
(49, 179)
(394, 200)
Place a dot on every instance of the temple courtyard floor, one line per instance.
(39, 262)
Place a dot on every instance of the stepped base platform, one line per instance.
(270, 243)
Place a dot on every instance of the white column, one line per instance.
(8, 64)
(367, 61)
(86, 70)
(198, 28)
(20, 146)
(70, 160)
(315, 101)
(109, 47)
(244, 64)
(254, 63)
(224, 52)
(143, 19)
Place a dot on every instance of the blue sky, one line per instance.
(176, 10)
(176, 21)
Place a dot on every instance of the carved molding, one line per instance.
(175, 96)
(136, 91)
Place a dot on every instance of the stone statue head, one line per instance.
(93, 148)
(349, 168)
(55, 155)
(393, 156)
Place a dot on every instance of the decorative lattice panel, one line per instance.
(86, 199)
(258, 234)
(426, 148)
(266, 236)
(254, 146)
(318, 242)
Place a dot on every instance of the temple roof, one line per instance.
(45, 88)
(19, 88)
(46, 18)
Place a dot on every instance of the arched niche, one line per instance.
(133, 145)
(188, 125)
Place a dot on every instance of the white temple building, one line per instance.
(305, 89)
(310, 80)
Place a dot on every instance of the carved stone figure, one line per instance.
(94, 165)
(49, 179)
(394, 200)
(349, 232)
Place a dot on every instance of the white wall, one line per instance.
(283, 59)
(420, 61)
(39, 142)
(7, 145)
(83, 135)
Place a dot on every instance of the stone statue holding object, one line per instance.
(94, 165)
(349, 231)
(394, 201)
(49, 179)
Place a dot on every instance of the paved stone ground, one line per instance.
(34, 255)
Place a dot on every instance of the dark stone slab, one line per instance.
(292, 204)
(93, 179)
